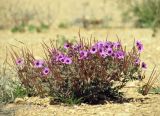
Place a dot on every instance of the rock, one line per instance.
(38, 101)
(83, 104)
(19, 101)
(132, 84)
(123, 114)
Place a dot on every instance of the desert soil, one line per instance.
(139, 106)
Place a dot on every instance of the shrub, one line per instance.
(155, 90)
(19, 28)
(19, 15)
(31, 28)
(152, 90)
(147, 87)
(90, 72)
(42, 27)
(63, 25)
(9, 88)
(147, 13)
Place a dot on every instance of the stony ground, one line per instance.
(138, 106)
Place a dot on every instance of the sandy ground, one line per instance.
(139, 106)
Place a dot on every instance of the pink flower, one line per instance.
(120, 54)
(62, 60)
(46, 71)
(67, 60)
(139, 45)
(83, 54)
(137, 61)
(38, 63)
(117, 45)
(144, 65)
(100, 44)
(59, 57)
(67, 45)
(93, 50)
(109, 51)
(100, 50)
(108, 44)
(103, 54)
(76, 47)
(20, 61)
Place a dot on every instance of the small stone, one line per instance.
(132, 84)
(82, 104)
(26, 98)
(122, 114)
(19, 101)
(75, 106)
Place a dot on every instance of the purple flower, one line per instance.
(76, 47)
(67, 45)
(113, 54)
(138, 42)
(67, 60)
(83, 54)
(59, 57)
(62, 59)
(139, 46)
(144, 65)
(20, 61)
(109, 51)
(100, 50)
(120, 54)
(99, 44)
(103, 54)
(93, 50)
(117, 45)
(137, 61)
(108, 44)
(38, 63)
(46, 71)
